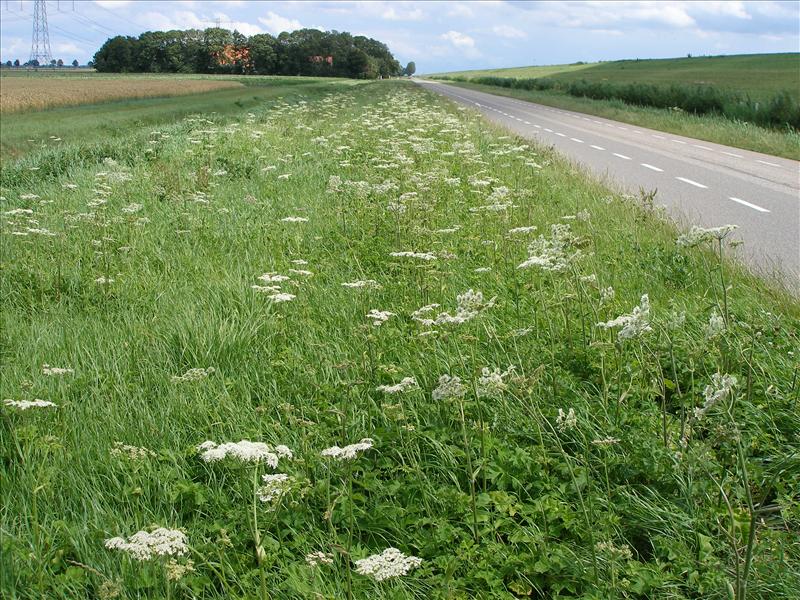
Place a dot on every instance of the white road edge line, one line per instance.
(749, 205)
(621, 156)
(596, 147)
(652, 168)
(690, 182)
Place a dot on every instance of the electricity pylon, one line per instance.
(40, 42)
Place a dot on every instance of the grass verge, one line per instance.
(713, 129)
(345, 268)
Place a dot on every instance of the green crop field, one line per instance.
(759, 75)
(351, 341)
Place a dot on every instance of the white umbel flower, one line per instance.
(417, 255)
(244, 450)
(379, 317)
(566, 421)
(405, 385)
(449, 387)
(698, 235)
(275, 486)
(365, 283)
(720, 388)
(389, 563)
(348, 452)
(633, 325)
(144, 545)
(26, 404)
(56, 371)
(315, 559)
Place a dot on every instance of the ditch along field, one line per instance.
(22, 91)
(363, 344)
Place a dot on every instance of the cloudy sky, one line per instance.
(438, 36)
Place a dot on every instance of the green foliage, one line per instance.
(498, 494)
(215, 50)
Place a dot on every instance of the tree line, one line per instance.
(780, 111)
(217, 50)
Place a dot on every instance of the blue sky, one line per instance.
(438, 36)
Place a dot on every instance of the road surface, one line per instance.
(700, 182)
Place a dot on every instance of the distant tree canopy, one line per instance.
(215, 50)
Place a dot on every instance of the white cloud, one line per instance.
(390, 14)
(458, 39)
(460, 10)
(68, 48)
(508, 32)
(276, 23)
(113, 3)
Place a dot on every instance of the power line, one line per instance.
(40, 40)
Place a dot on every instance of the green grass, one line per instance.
(716, 129)
(759, 75)
(104, 122)
(497, 495)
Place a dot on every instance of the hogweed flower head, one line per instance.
(144, 545)
(365, 283)
(274, 488)
(379, 317)
(405, 385)
(633, 325)
(698, 235)
(555, 253)
(492, 384)
(131, 452)
(719, 389)
(715, 327)
(449, 387)
(566, 421)
(56, 371)
(26, 404)
(315, 559)
(244, 451)
(348, 452)
(389, 563)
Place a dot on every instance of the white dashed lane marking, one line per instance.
(621, 156)
(596, 147)
(659, 137)
(690, 182)
(548, 130)
(763, 162)
(732, 154)
(702, 147)
(652, 168)
(750, 205)
(576, 140)
(678, 141)
(560, 134)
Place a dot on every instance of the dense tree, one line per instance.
(75, 63)
(410, 69)
(16, 62)
(8, 63)
(60, 63)
(216, 50)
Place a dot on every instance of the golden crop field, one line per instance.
(19, 93)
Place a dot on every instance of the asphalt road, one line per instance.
(699, 182)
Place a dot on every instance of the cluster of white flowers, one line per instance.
(245, 451)
(418, 255)
(633, 325)
(365, 283)
(715, 327)
(195, 374)
(315, 559)
(131, 452)
(379, 317)
(555, 253)
(607, 294)
(26, 404)
(56, 371)
(698, 235)
(613, 551)
(676, 319)
(348, 452)
(275, 486)
(144, 545)
(492, 384)
(449, 387)
(389, 563)
(566, 421)
(528, 229)
(405, 385)
(273, 291)
(720, 388)
(470, 304)
(294, 220)
(606, 441)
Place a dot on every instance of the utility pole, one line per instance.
(40, 42)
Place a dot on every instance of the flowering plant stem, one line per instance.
(257, 538)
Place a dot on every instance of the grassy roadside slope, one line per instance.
(703, 127)
(102, 122)
(584, 471)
